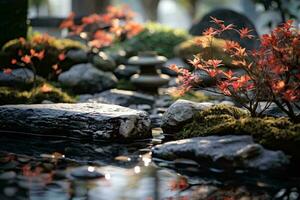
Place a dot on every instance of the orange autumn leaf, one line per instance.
(245, 33)
(61, 56)
(13, 61)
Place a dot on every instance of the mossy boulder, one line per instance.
(156, 37)
(52, 46)
(273, 133)
(189, 48)
(45, 91)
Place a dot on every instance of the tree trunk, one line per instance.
(150, 8)
(13, 19)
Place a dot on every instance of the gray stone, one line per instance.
(126, 71)
(17, 76)
(104, 62)
(82, 120)
(8, 175)
(180, 113)
(77, 55)
(10, 191)
(226, 152)
(119, 97)
(85, 78)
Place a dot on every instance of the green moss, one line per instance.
(273, 133)
(187, 49)
(10, 95)
(156, 37)
(195, 96)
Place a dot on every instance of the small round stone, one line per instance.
(8, 175)
(10, 191)
(86, 172)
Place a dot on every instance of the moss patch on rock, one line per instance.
(273, 133)
(46, 91)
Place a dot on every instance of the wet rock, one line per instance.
(119, 97)
(104, 62)
(77, 55)
(85, 78)
(181, 112)
(82, 120)
(225, 152)
(17, 77)
(86, 172)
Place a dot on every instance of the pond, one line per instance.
(43, 168)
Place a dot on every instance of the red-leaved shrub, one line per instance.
(272, 72)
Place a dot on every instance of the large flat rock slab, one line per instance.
(81, 120)
(225, 152)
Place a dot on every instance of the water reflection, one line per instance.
(63, 170)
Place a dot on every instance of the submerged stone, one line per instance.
(226, 152)
(82, 120)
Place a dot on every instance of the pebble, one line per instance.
(294, 196)
(86, 172)
(10, 191)
(8, 175)
(280, 194)
(24, 159)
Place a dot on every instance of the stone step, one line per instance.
(93, 121)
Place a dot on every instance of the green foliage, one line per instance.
(187, 49)
(273, 133)
(9, 95)
(156, 37)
